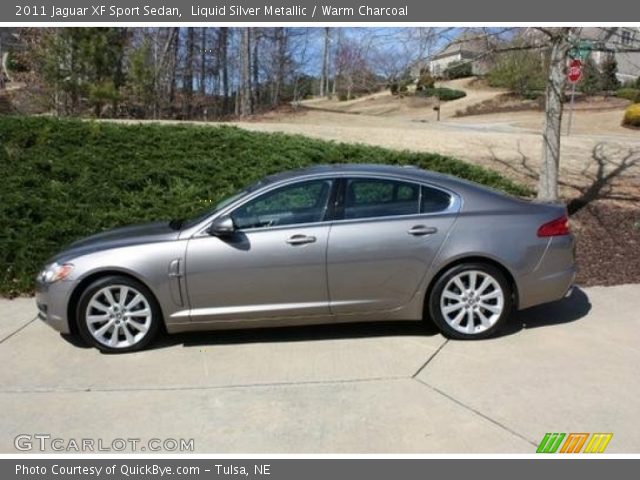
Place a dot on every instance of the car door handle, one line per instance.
(300, 239)
(420, 230)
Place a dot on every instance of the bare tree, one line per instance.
(223, 46)
(203, 62)
(245, 105)
(187, 82)
(554, 98)
(325, 63)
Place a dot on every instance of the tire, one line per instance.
(101, 313)
(466, 313)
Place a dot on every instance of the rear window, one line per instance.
(434, 200)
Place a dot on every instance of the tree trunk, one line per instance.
(255, 93)
(554, 97)
(281, 46)
(245, 72)
(2, 64)
(325, 63)
(174, 67)
(224, 42)
(188, 77)
(203, 61)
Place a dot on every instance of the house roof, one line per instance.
(470, 41)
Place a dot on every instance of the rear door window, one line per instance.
(370, 197)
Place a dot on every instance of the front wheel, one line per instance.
(470, 301)
(118, 314)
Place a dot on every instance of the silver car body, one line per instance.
(353, 270)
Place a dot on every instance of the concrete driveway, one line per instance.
(567, 367)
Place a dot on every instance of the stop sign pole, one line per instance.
(574, 74)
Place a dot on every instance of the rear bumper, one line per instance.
(51, 301)
(554, 276)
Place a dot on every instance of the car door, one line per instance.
(385, 236)
(274, 263)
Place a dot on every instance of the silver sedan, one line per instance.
(328, 244)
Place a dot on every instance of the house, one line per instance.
(621, 42)
(471, 46)
(600, 44)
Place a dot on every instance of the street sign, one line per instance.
(581, 50)
(574, 72)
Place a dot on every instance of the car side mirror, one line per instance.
(222, 226)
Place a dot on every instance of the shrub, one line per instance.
(627, 93)
(520, 72)
(65, 179)
(426, 80)
(444, 94)
(458, 69)
(632, 116)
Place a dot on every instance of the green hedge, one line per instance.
(629, 93)
(65, 179)
(444, 94)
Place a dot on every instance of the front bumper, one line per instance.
(51, 301)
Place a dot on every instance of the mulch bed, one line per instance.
(608, 243)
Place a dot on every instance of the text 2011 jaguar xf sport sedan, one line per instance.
(327, 244)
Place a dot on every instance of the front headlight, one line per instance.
(56, 272)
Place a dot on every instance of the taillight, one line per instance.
(559, 226)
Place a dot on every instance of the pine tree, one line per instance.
(609, 70)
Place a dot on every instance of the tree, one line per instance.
(187, 82)
(591, 81)
(223, 46)
(609, 73)
(520, 70)
(324, 75)
(245, 105)
(559, 39)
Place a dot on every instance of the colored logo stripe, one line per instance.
(574, 442)
(550, 443)
(598, 442)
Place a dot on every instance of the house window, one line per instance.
(627, 37)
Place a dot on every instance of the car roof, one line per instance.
(405, 171)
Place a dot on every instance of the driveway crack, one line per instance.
(431, 357)
(477, 412)
(18, 330)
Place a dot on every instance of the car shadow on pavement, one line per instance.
(299, 334)
(283, 334)
(567, 310)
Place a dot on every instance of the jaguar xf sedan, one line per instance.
(327, 244)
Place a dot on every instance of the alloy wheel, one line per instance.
(118, 316)
(472, 301)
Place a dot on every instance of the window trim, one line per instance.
(336, 207)
(229, 209)
(455, 201)
(326, 209)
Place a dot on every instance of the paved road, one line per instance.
(567, 367)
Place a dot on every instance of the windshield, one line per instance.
(219, 206)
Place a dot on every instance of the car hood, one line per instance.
(118, 237)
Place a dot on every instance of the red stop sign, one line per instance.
(574, 73)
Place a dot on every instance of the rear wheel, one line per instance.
(471, 301)
(118, 314)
